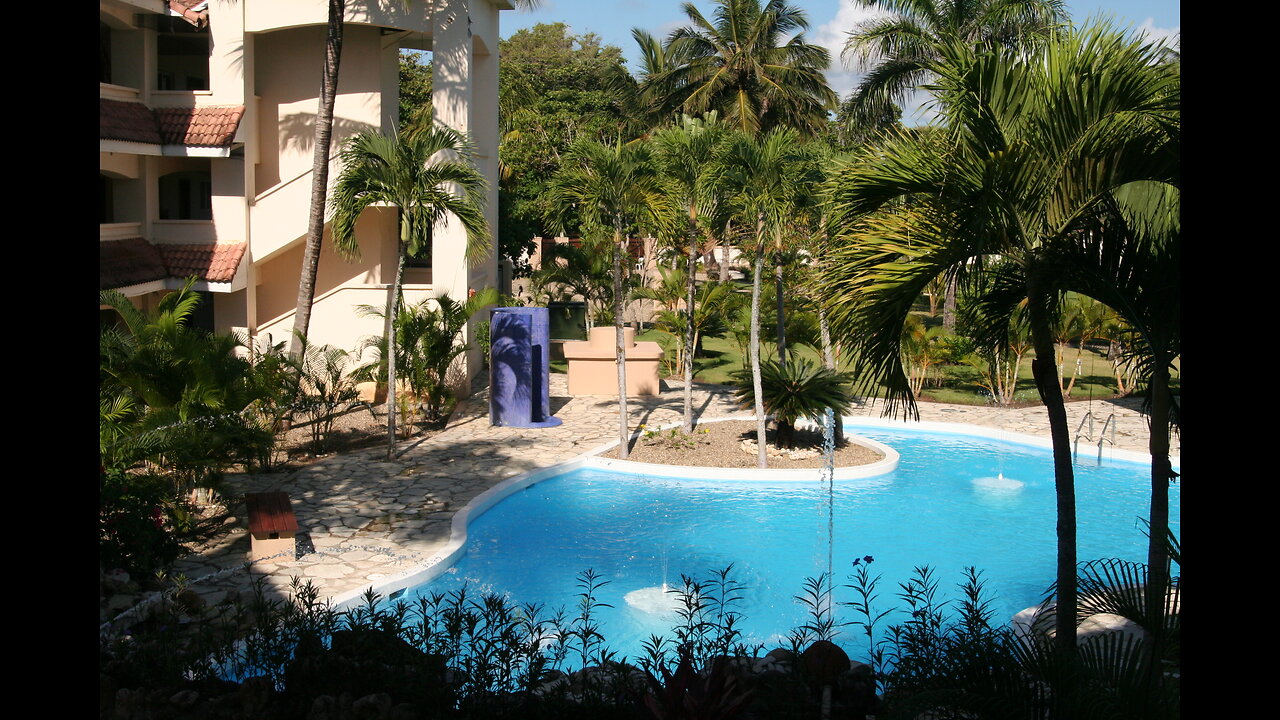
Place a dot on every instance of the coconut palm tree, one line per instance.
(740, 65)
(417, 173)
(1036, 152)
(899, 47)
(685, 154)
(319, 175)
(610, 191)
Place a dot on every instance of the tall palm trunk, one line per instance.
(319, 176)
(689, 336)
(754, 347)
(779, 310)
(949, 305)
(392, 310)
(621, 354)
(1045, 372)
(724, 253)
(1161, 474)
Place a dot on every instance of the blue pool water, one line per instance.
(954, 501)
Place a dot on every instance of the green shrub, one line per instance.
(174, 397)
(135, 527)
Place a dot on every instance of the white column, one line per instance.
(451, 90)
(465, 98)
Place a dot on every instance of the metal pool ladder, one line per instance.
(1089, 417)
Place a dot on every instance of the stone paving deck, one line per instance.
(368, 518)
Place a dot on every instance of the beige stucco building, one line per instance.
(207, 117)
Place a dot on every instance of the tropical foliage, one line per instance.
(173, 398)
(1034, 167)
(612, 191)
(899, 46)
(427, 174)
(586, 271)
(798, 389)
(175, 411)
(751, 63)
(429, 338)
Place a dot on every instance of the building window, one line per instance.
(182, 55)
(186, 196)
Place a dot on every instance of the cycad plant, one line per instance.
(799, 389)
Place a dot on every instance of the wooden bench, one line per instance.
(272, 525)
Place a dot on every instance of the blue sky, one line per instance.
(829, 20)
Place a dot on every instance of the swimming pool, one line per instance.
(954, 500)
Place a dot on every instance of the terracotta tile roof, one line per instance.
(128, 262)
(134, 260)
(130, 121)
(215, 263)
(202, 126)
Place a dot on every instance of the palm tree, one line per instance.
(415, 172)
(740, 65)
(899, 48)
(686, 153)
(609, 190)
(1034, 153)
(758, 174)
(1133, 265)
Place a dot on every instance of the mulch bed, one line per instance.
(719, 444)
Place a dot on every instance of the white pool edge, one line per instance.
(441, 561)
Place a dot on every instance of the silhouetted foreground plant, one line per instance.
(457, 655)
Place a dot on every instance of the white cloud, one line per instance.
(1169, 35)
(832, 35)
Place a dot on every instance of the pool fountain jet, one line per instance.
(999, 482)
(656, 600)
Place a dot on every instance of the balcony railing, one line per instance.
(108, 91)
(119, 231)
